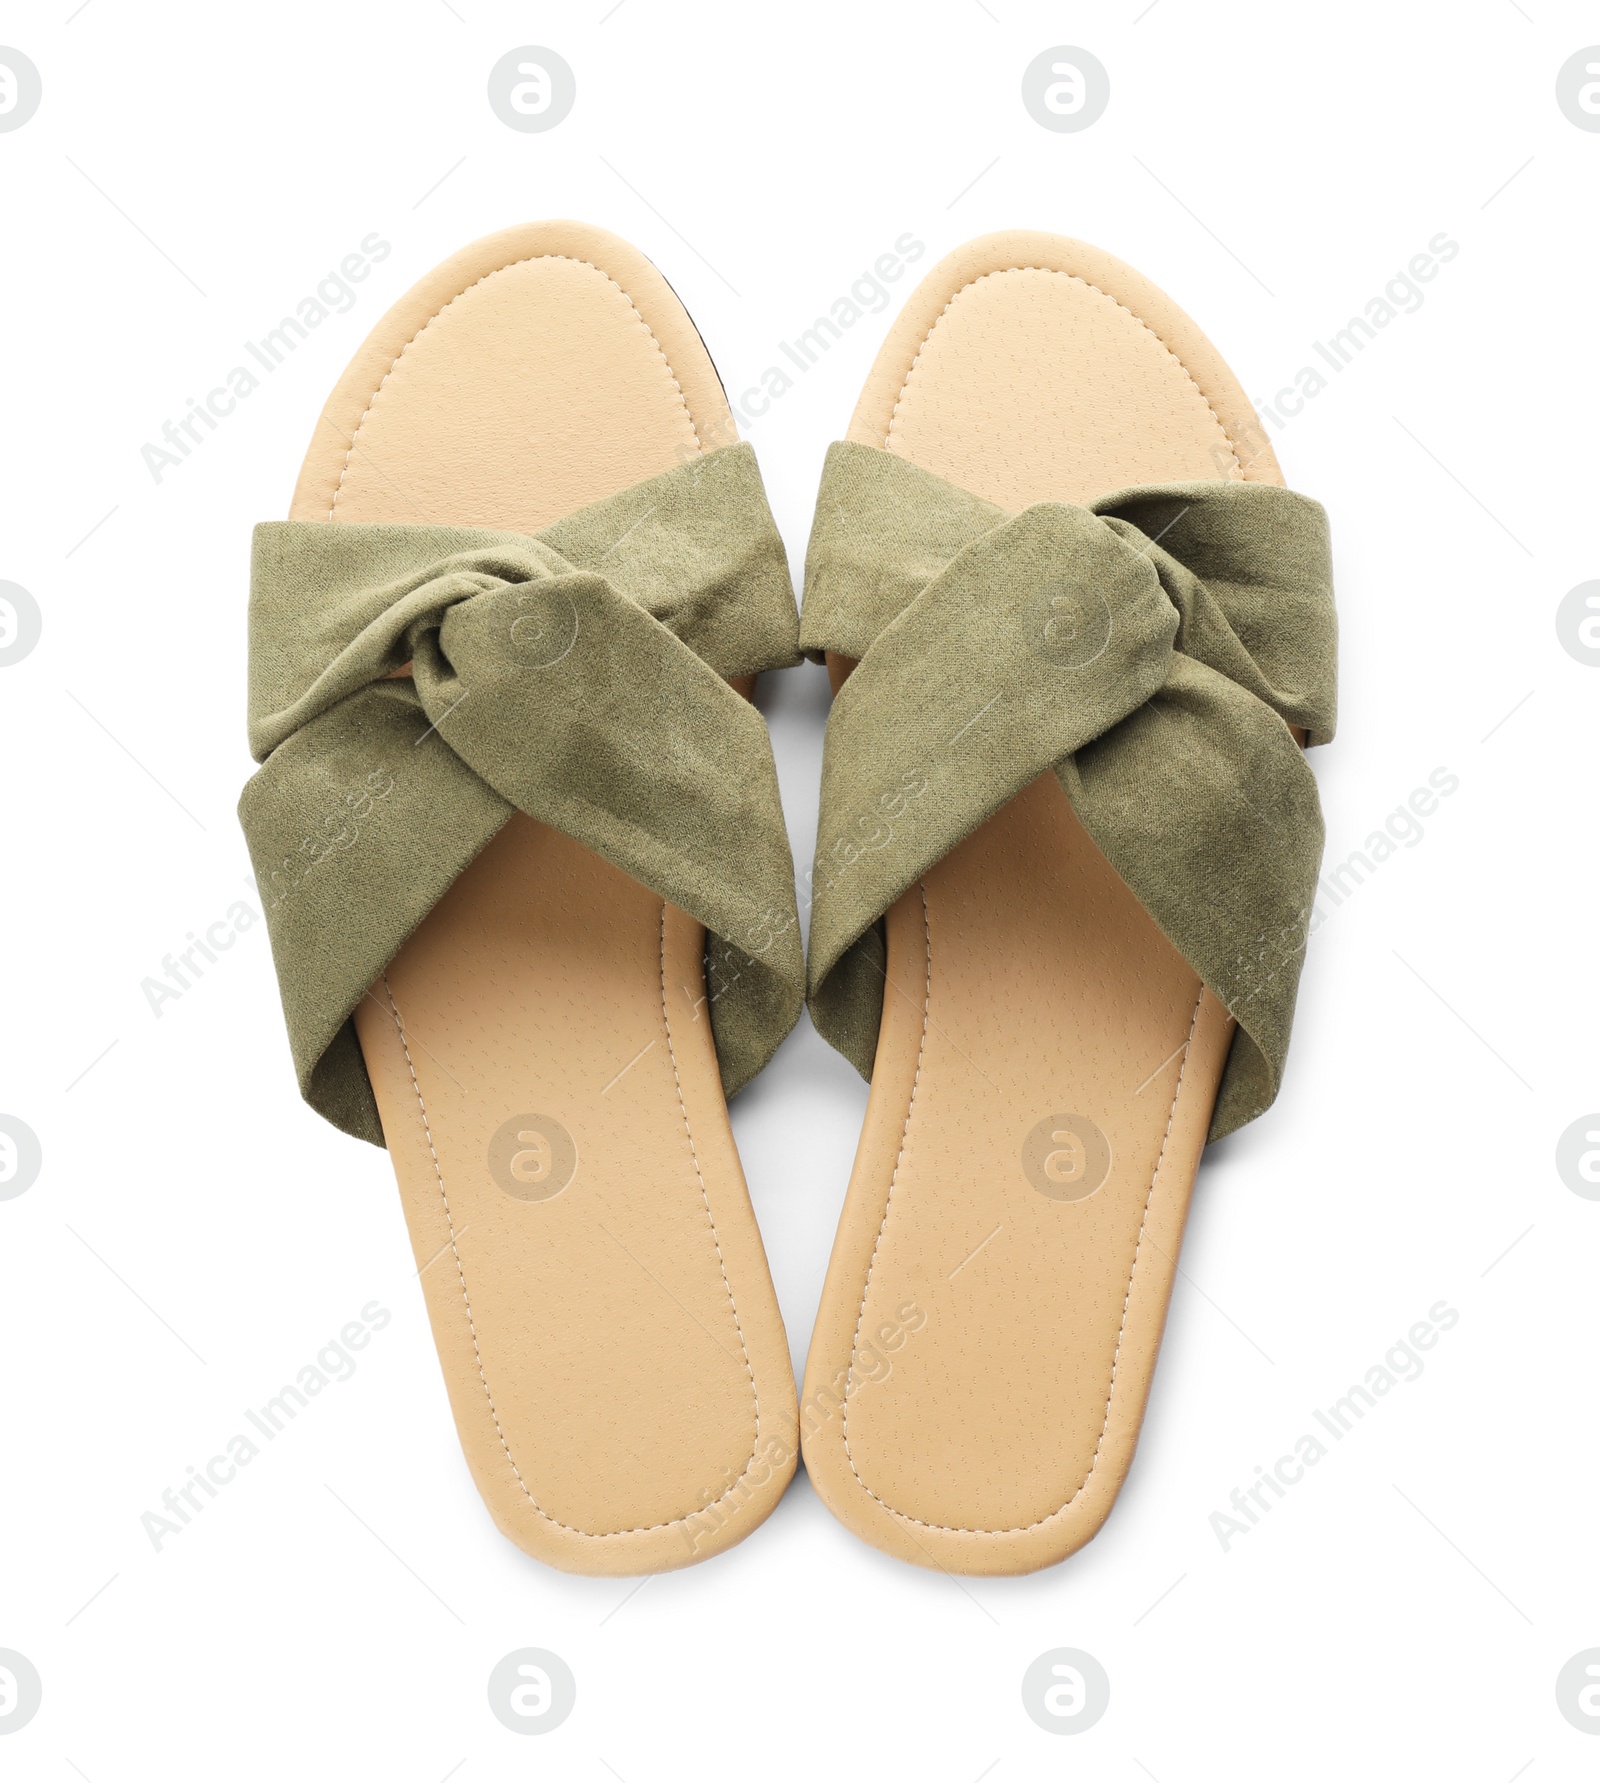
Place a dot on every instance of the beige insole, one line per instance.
(1047, 1062)
(540, 1049)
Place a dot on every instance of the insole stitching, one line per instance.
(466, 1301)
(998, 271)
(711, 1220)
(1127, 1298)
(527, 260)
(888, 1200)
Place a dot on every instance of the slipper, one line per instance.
(529, 890)
(1065, 861)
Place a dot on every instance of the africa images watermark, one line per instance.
(335, 294)
(332, 1364)
(1402, 828)
(1401, 296)
(869, 294)
(1401, 1362)
(217, 938)
(871, 1364)
(1274, 955)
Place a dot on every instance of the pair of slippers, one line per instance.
(534, 914)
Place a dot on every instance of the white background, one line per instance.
(193, 171)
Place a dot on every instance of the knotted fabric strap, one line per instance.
(1152, 649)
(580, 676)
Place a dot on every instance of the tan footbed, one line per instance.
(614, 1354)
(1024, 981)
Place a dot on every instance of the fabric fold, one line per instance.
(1151, 649)
(412, 686)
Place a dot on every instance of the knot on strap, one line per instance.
(579, 676)
(1152, 649)
(322, 629)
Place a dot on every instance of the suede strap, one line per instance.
(579, 676)
(1152, 649)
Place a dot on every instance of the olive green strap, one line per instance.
(1152, 649)
(578, 676)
